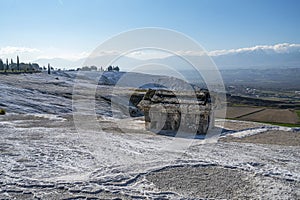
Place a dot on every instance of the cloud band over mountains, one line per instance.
(278, 48)
(283, 54)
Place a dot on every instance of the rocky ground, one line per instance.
(48, 156)
(45, 157)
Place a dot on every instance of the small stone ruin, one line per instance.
(170, 111)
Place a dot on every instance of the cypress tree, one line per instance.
(110, 68)
(7, 67)
(1, 65)
(49, 69)
(18, 63)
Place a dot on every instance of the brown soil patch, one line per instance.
(235, 112)
(283, 138)
(238, 125)
(273, 115)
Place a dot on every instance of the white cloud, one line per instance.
(66, 56)
(83, 55)
(159, 54)
(148, 54)
(14, 50)
(277, 48)
(31, 54)
(98, 53)
(191, 53)
(26, 54)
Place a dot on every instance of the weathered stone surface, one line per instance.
(166, 110)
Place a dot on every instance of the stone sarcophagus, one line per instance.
(169, 111)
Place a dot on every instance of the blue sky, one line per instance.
(62, 28)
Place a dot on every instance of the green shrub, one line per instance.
(2, 111)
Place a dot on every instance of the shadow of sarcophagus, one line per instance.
(168, 111)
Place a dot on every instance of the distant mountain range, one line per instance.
(277, 56)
